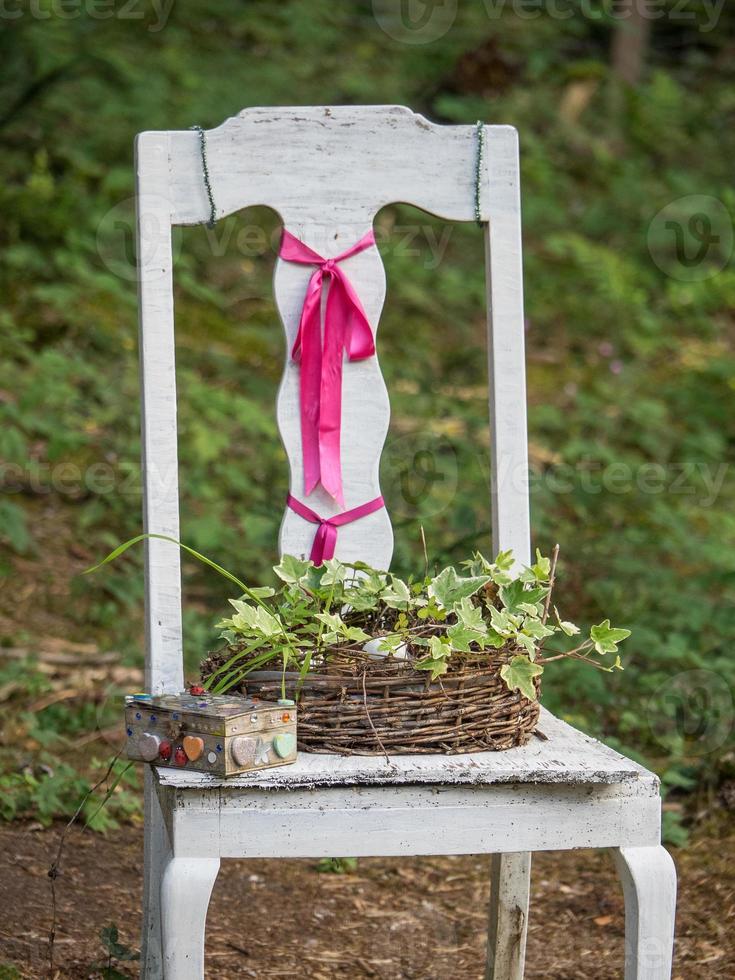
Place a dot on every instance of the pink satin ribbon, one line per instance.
(346, 328)
(325, 539)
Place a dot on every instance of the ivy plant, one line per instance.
(458, 615)
(484, 610)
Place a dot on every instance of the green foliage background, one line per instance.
(628, 366)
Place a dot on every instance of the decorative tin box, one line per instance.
(219, 734)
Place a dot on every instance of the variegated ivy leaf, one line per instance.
(525, 641)
(531, 608)
(334, 572)
(439, 652)
(515, 593)
(566, 627)
(359, 600)
(519, 674)
(260, 592)
(503, 623)
(255, 618)
(356, 634)
(536, 629)
(332, 620)
(448, 589)
(437, 667)
(538, 572)
(390, 643)
(499, 570)
(397, 594)
(470, 616)
(606, 638)
(291, 570)
(338, 629)
(494, 639)
(461, 637)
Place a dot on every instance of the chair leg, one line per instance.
(156, 854)
(648, 875)
(186, 888)
(508, 921)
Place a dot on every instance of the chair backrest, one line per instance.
(326, 171)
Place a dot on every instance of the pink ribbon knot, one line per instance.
(346, 329)
(325, 539)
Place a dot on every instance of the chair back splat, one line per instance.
(327, 171)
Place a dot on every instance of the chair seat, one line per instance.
(557, 754)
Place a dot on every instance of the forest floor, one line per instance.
(390, 918)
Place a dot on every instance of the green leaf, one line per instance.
(505, 560)
(334, 572)
(470, 616)
(437, 667)
(536, 629)
(527, 643)
(262, 591)
(502, 622)
(460, 637)
(519, 674)
(566, 627)
(256, 618)
(540, 571)
(515, 595)
(291, 570)
(606, 638)
(332, 620)
(448, 589)
(356, 634)
(396, 595)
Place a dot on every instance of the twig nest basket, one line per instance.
(361, 705)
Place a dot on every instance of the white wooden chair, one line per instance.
(327, 171)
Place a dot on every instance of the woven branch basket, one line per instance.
(358, 705)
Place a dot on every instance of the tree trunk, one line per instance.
(630, 44)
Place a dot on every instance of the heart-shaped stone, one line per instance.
(148, 746)
(285, 744)
(193, 746)
(243, 750)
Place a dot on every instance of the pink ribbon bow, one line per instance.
(346, 328)
(325, 539)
